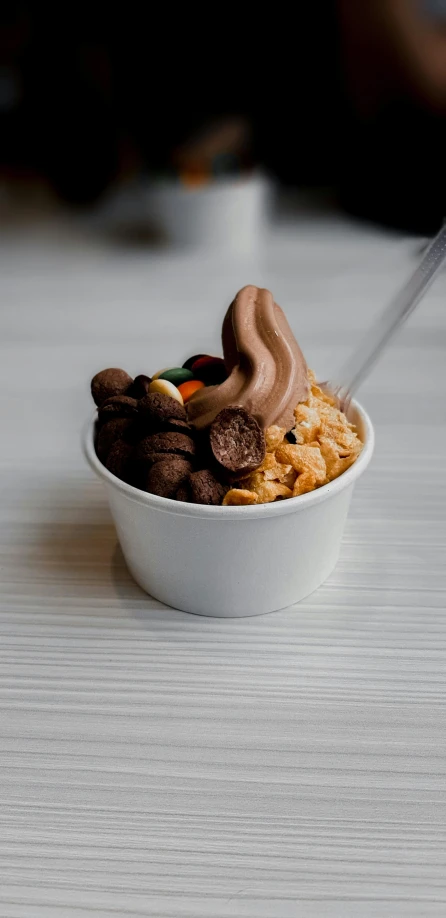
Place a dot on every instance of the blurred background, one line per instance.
(343, 100)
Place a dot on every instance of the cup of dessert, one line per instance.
(229, 480)
(232, 560)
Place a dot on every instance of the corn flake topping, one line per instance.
(326, 445)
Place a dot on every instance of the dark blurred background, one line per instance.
(347, 95)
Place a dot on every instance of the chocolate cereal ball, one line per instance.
(205, 489)
(116, 429)
(120, 461)
(119, 406)
(166, 476)
(174, 443)
(109, 382)
(237, 440)
(140, 386)
(157, 408)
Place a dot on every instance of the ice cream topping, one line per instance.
(268, 374)
(251, 428)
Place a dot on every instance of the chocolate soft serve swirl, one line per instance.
(268, 374)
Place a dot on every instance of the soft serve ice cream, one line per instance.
(251, 428)
(268, 375)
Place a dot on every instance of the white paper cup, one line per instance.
(232, 561)
(228, 213)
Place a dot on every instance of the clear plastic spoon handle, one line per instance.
(401, 306)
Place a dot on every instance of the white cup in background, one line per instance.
(225, 214)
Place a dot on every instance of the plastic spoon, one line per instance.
(358, 366)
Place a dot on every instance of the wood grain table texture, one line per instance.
(155, 763)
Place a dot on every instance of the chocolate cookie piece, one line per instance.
(119, 406)
(156, 408)
(205, 489)
(120, 460)
(167, 476)
(108, 383)
(139, 387)
(237, 440)
(116, 429)
(177, 444)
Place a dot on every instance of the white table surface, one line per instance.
(154, 763)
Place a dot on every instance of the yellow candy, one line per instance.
(166, 388)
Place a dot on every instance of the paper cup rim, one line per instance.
(167, 186)
(256, 511)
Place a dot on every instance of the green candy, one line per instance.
(177, 375)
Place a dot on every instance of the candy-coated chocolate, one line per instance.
(205, 360)
(166, 388)
(188, 389)
(211, 370)
(177, 375)
(187, 365)
(158, 374)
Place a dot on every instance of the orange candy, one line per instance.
(189, 388)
